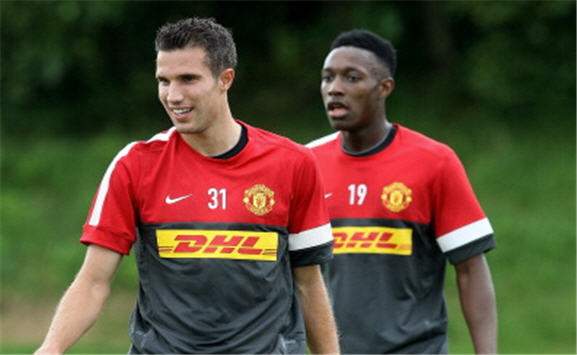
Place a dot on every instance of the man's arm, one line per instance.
(81, 304)
(319, 321)
(477, 297)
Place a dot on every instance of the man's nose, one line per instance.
(335, 87)
(174, 93)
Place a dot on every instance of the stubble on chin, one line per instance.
(338, 124)
(187, 130)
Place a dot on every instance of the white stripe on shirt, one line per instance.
(162, 136)
(104, 185)
(465, 235)
(322, 140)
(310, 238)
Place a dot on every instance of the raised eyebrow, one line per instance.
(345, 70)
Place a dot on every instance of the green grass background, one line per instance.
(524, 178)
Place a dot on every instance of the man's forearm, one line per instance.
(82, 302)
(321, 328)
(478, 304)
(75, 314)
(319, 321)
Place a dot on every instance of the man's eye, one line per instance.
(353, 78)
(189, 78)
(326, 77)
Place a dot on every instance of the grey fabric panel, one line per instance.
(214, 305)
(390, 303)
(317, 255)
(469, 250)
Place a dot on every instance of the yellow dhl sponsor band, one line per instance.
(372, 240)
(217, 244)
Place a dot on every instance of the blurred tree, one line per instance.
(523, 55)
(79, 67)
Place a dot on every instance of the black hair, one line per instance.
(380, 47)
(205, 33)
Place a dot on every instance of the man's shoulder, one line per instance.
(151, 146)
(276, 142)
(156, 142)
(413, 140)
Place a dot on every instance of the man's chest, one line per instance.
(393, 189)
(188, 192)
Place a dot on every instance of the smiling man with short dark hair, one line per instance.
(227, 221)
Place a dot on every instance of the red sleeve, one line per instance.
(458, 217)
(111, 221)
(308, 217)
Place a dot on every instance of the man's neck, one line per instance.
(366, 138)
(221, 136)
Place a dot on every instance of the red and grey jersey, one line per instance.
(215, 241)
(398, 213)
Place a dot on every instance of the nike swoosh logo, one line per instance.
(328, 195)
(170, 201)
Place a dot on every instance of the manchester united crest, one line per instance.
(396, 196)
(259, 199)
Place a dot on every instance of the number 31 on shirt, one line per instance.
(217, 198)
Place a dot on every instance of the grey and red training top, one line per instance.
(215, 241)
(399, 211)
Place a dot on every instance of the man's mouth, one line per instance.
(181, 111)
(337, 109)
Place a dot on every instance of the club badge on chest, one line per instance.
(259, 199)
(396, 197)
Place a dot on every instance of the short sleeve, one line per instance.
(310, 236)
(461, 228)
(111, 221)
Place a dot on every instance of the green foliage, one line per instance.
(536, 54)
(88, 65)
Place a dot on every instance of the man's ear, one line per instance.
(386, 87)
(226, 78)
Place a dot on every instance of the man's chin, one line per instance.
(187, 129)
(339, 123)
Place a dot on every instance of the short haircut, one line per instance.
(204, 33)
(371, 42)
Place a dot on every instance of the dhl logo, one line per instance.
(217, 244)
(372, 240)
